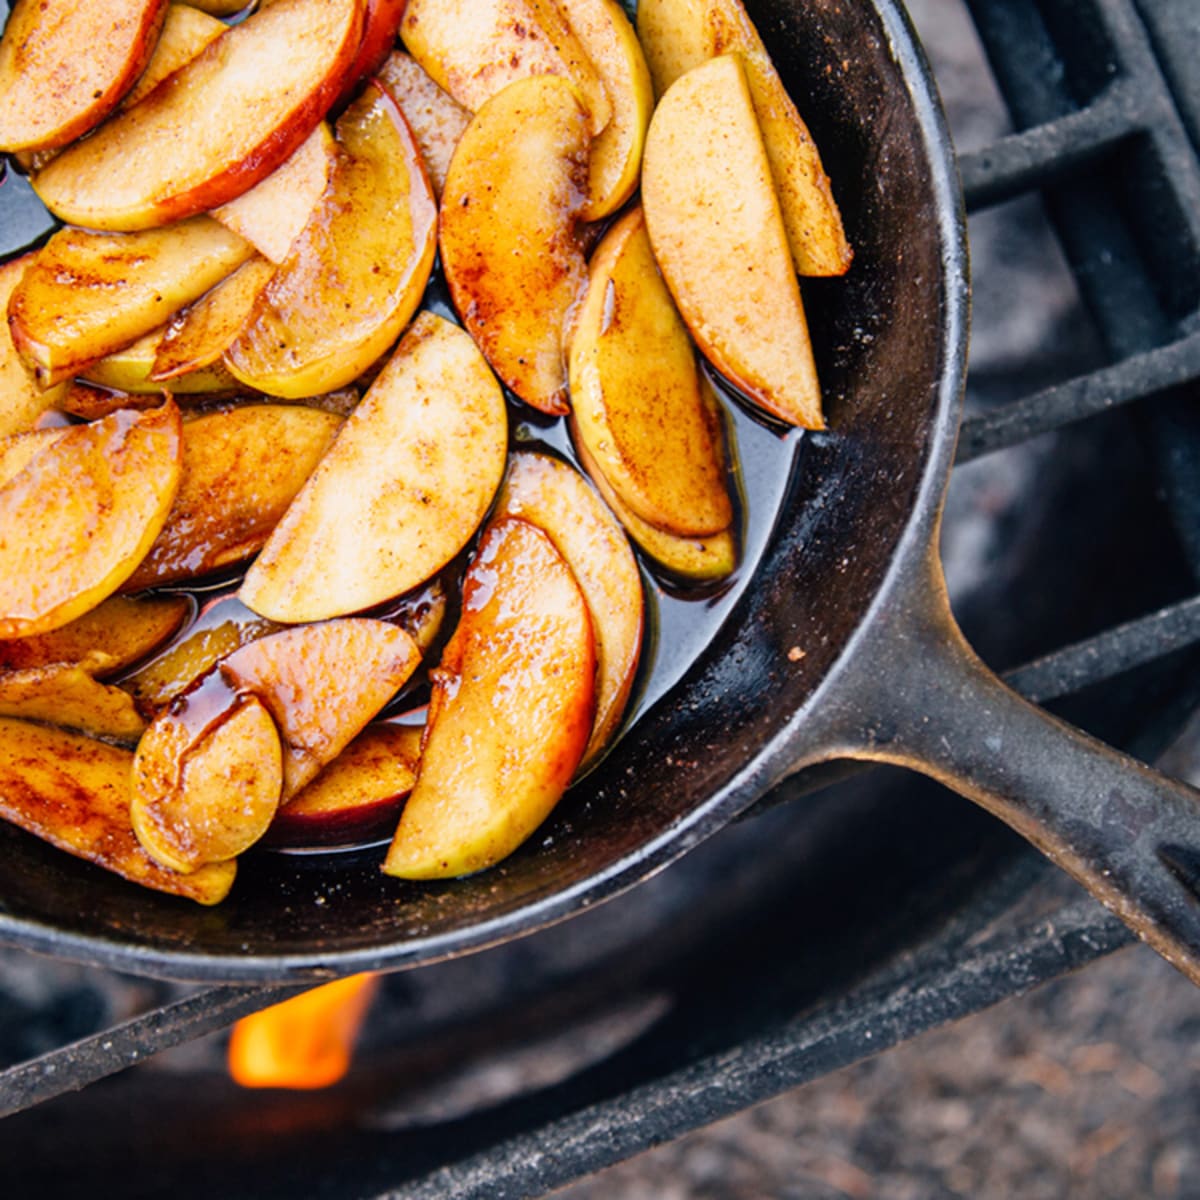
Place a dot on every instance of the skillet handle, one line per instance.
(1129, 834)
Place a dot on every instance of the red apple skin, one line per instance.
(380, 28)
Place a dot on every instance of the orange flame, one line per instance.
(305, 1042)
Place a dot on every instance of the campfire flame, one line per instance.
(305, 1042)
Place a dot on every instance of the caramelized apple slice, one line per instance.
(612, 46)
(718, 235)
(322, 683)
(241, 469)
(680, 34)
(200, 335)
(695, 560)
(358, 795)
(64, 66)
(368, 526)
(206, 778)
(272, 213)
(19, 450)
(511, 711)
(508, 238)
(185, 32)
(66, 695)
(650, 432)
(355, 275)
(22, 401)
(79, 518)
(129, 371)
(436, 119)
(216, 127)
(476, 48)
(88, 294)
(381, 26)
(553, 496)
(104, 641)
(73, 792)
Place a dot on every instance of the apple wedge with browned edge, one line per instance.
(552, 495)
(68, 696)
(22, 401)
(718, 236)
(680, 34)
(651, 433)
(214, 128)
(509, 233)
(511, 711)
(74, 792)
(64, 66)
(75, 523)
(242, 467)
(476, 48)
(368, 527)
(356, 273)
(86, 294)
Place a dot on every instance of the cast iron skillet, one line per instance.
(842, 644)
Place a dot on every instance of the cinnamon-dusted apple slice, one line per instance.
(206, 778)
(128, 371)
(509, 240)
(718, 235)
(79, 518)
(22, 401)
(104, 641)
(202, 332)
(185, 32)
(86, 295)
(241, 469)
(476, 48)
(272, 213)
(64, 66)
(680, 34)
(20, 449)
(67, 695)
(651, 432)
(73, 792)
(611, 44)
(322, 683)
(358, 795)
(436, 119)
(213, 129)
(369, 526)
(554, 496)
(695, 560)
(511, 711)
(355, 275)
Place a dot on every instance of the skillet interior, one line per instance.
(697, 757)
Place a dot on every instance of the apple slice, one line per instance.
(73, 792)
(680, 34)
(241, 469)
(19, 450)
(22, 401)
(206, 778)
(511, 711)
(272, 213)
(216, 127)
(185, 32)
(510, 249)
(718, 236)
(436, 119)
(79, 518)
(199, 335)
(86, 295)
(104, 641)
(554, 496)
(67, 695)
(322, 683)
(476, 48)
(356, 273)
(381, 26)
(610, 42)
(64, 66)
(128, 372)
(650, 432)
(368, 526)
(358, 795)
(694, 560)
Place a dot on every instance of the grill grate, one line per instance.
(1107, 108)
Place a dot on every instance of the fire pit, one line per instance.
(825, 928)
